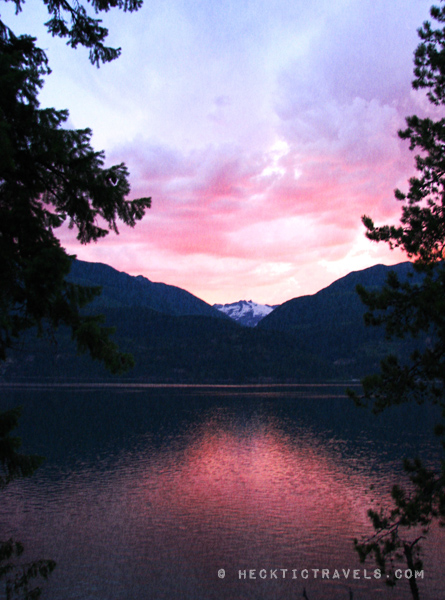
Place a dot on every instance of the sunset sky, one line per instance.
(262, 130)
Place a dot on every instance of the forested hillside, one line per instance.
(312, 338)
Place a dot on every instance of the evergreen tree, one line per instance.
(50, 175)
(412, 308)
(20, 578)
(72, 20)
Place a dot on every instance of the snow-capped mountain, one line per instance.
(245, 312)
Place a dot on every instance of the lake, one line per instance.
(202, 493)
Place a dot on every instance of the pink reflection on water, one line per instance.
(256, 476)
(228, 495)
(251, 498)
(255, 497)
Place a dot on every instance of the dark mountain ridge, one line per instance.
(339, 299)
(120, 290)
(177, 338)
(330, 323)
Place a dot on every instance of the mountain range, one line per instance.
(330, 323)
(120, 290)
(178, 338)
(245, 312)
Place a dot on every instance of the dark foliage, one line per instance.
(410, 309)
(19, 577)
(72, 20)
(50, 175)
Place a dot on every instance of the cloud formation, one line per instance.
(263, 132)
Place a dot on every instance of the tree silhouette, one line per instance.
(50, 175)
(21, 579)
(410, 309)
(71, 20)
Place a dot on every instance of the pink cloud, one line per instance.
(266, 214)
(225, 219)
(266, 199)
(261, 134)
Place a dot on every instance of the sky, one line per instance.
(262, 129)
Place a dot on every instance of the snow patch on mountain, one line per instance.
(245, 312)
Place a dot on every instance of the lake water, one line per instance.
(148, 493)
